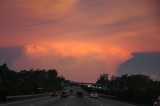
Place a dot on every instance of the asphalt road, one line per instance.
(71, 100)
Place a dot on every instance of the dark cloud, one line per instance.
(8, 54)
(142, 63)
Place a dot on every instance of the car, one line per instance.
(67, 91)
(53, 93)
(79, 94)
(64, 94)
(71, 90)
(94, 95)
(157, 102)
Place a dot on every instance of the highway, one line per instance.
(71, 100)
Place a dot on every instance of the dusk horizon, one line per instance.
(81, 39)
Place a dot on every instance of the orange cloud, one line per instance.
(77, 49)
(110, 55)
(102, 33)
(35, 50)
(45, 7)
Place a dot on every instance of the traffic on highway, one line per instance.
(76, 96)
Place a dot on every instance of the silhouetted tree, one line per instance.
(28, 81)
(134, 87)
(103, 81)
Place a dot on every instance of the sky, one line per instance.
(81, 38)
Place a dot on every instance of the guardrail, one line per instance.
(22, 97)
(109, 96)
(25, 96)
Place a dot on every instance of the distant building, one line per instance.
(85, 83)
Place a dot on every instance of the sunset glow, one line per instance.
(79, 38)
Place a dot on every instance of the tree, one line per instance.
(28, 81)
(7, 79)
(103, 81)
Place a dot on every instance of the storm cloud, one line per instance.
(142, 63)
(79, 36)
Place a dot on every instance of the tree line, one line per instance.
(28, 81)
(138, 88)
(132, 88)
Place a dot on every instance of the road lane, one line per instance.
(117, 103)
(71, 100)
(29, 101)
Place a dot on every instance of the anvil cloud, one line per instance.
(80, 38)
